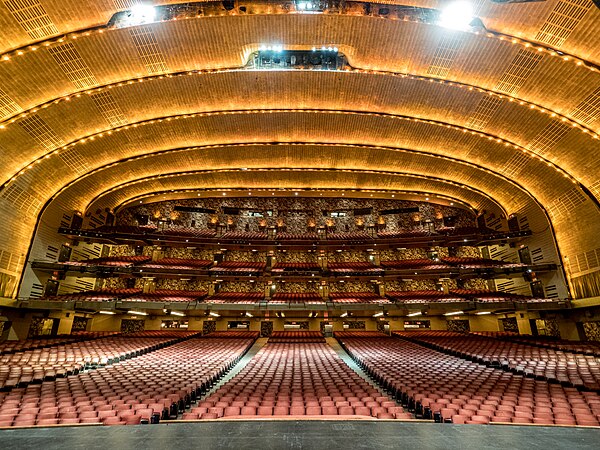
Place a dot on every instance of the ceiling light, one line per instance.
(137, 313)
(248, 314)
(176, 313)
(454, 313)
(140, 14)
(106, 312)
(457, 15)
(483, 313)
(214, 314)
(379, 314)
(414, 314)
(344, 314)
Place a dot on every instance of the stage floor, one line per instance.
(294, 434)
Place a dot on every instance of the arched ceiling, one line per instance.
(504, 120)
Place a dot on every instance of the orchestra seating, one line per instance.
(282, 337)
(296, 380)
(586, 348)
(451, 389)
(8, 347)
(34, 366)
(357, 297)
(147, 388)
(569, 369)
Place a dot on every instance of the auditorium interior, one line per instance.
(265, 222)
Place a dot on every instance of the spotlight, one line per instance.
(457, 15)
(140, 14)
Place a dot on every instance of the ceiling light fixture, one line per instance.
(454, 313)
(457, 15)
(414, 314)
(140, 14)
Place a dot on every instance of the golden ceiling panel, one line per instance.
(382, 162)
(286, 126)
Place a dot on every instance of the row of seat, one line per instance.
(157, 385)
(297, 379)
(446, 388)
(38, 365)
(542, 363)
(8, 347)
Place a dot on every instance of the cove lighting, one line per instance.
(414, 314)
(454, 313)
(176, 313)
(107, 312)
(483, 313)
(457, 15)
(137, 313)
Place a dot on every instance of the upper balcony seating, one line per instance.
(450, 389)
(354, 268)
(245, 235)
(351, 236)
(188, 232)
(239, 267)
(301, 297)
(117, 261)
(236, 297)
(291, 267)
(100, 295)
(357, 297)
(296, 236)
(125, 229)
(179, 264)
(168, 296)
(483, 296)
(410, 264)
(418, 297)
(404, 234)
(469, 263)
